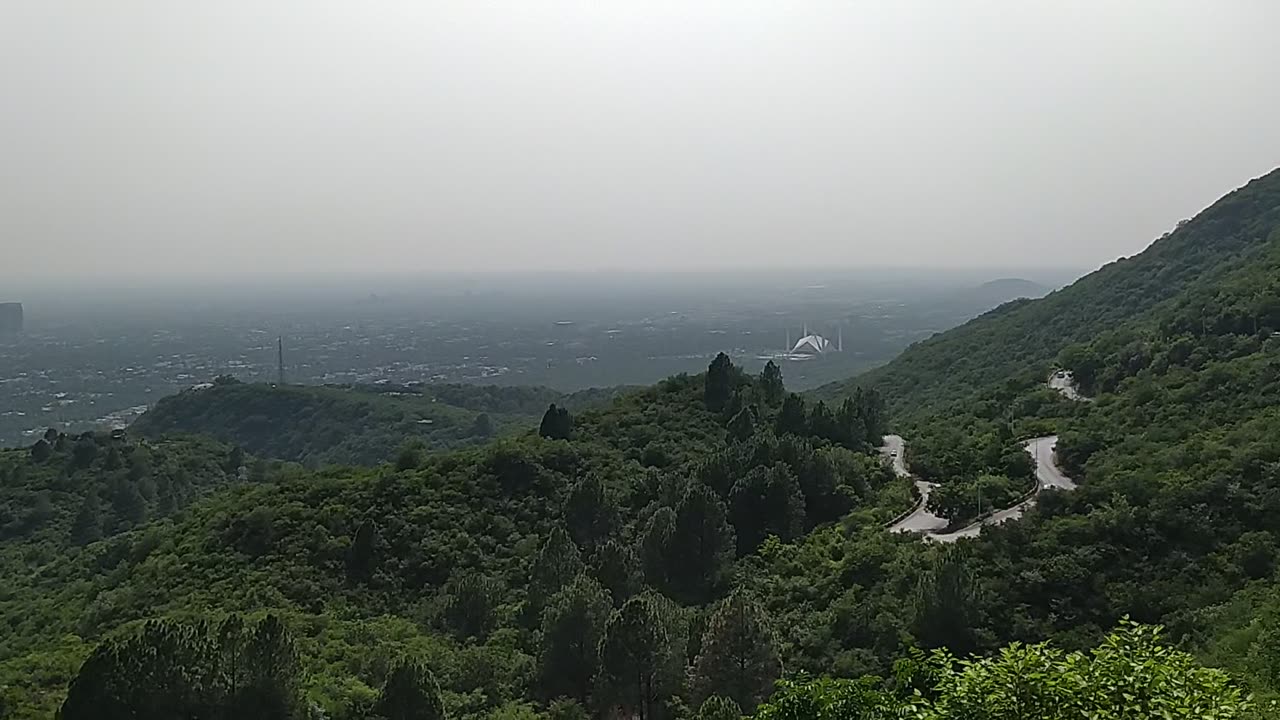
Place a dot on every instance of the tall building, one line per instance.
(10, 319)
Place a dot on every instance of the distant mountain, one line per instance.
(1023, 337)
(998, 292)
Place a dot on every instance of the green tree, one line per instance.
(410, 693)
(410, 455)
(947, 603)
(719, 383)
(558, 562)
(87, 526)
(41, 450)
(272, 677)
(482, 426)
(702, 540)
(168, 670)
(655, 544)
(792, 419)
(471, 604)
(557, 423)
(770, 384)
(362, 555)
(718, 707)
(742, 425)
(822, 424)
(127, 502)
(767, 501)
(850, 425)
(590, 513)
(572, 626)
(617, 568)
(640, 664)
(738, 658)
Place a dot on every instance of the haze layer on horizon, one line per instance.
(208, 139)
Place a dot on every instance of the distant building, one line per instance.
(10, 319)
(811, 344)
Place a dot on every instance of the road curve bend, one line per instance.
(920, 520)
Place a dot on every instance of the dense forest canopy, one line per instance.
(353, 425)
(708, 547)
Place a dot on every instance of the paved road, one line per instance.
(1065, 383)
(922, 521)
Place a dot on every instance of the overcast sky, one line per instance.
(144, 137)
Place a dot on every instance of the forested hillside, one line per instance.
(356, 425)
(1175, 520)
(488, 564)
(673, 554)
(1021, 339)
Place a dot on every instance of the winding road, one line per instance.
(930, 526)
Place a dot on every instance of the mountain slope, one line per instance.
(461, 558)
(1024, 337)
(356, 425)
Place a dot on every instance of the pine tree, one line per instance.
(875, 419)
(719, 707)
(719, 383)
(410, 693)
(557, 423)
(738, 658)
(590, 513)
(572, 627)
(87, 526)
(558, 562)
(640, 659)
(742, 426)
(655, 544)
(766, 502)
(41, 450)
(771, 387)
(272, 675)
(823, 424)
(618, 569)
(361, 556)
(703, 541)
(791, 418)
(472, 604)
(946, 603)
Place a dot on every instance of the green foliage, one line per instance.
(410, 693)
(766, 502)
(471, 606)
(737, 658)
(1132, 675)
(700, 546)
(572, 627)
(770, 384)
(721, 378)
(590, 513)
(718, 707)
(168, 670)
(641, 659)
(357, 425)
(557, 423)
(558, 562)
(1025, 336)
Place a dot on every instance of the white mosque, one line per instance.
(811, 345)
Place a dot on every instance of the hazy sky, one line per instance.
(158, 136)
